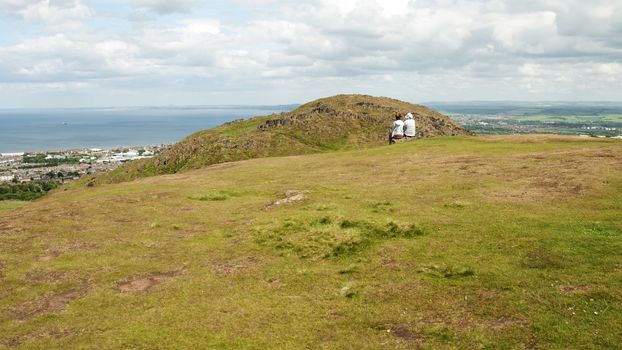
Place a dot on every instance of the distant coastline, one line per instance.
(42, 130)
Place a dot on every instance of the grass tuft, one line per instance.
(350, 269)
(382, 207)
(456, 205)
(221, 195)
(542, 258)
(447, 271)
(324, 237)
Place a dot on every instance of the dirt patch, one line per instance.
(41, 335)
(7, 230)
(504, 323)
(408, 335)
(291, 197)
(49, 304)
(557, 186)
(12, 342)
(66, 214)
(48, 257)
(391, 263)
(47, 276)
(231, 267)
(275, 283)
(405, 333)
(144, 284)
(546, 184)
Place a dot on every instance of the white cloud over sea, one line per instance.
(155, 52)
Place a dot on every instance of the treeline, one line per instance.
(41, 160)
(26, 191)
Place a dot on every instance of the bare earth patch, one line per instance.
(408, 335)
(49, 304)
(47, 276)
(227, 268)
(8, 230)
(404, 333)
(504, 323)
(38, 336)
(48, 257)
(144, 284)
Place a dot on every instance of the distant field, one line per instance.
(448, 243)
(603, 119)
(531, 108)
(592, 125)
(578, 119)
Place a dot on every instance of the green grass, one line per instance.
(447, 243)
(10, 205)
(218, 195)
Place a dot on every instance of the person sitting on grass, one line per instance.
(397, 130)
(410, 128)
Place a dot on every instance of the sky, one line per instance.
(94, 53)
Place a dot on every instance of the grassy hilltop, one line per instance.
(442, 243)
(328, 124)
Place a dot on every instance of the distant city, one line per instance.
(64, 166)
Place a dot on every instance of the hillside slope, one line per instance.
(345, 121)
(443, 243)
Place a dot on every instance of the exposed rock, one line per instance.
(291, 197)
(275, 123)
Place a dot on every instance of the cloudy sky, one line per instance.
(87, 53)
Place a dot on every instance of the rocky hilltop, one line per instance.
(339, 122)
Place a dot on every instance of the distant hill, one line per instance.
(339, 122)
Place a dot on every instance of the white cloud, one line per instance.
(450, 49)
(167, 6)
(51, 12)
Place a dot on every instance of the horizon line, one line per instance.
(234, 106)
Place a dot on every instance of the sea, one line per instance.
(37, 130)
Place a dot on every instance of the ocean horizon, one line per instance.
(38, 130)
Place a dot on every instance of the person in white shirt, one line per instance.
(410, 127)
(397, 130)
